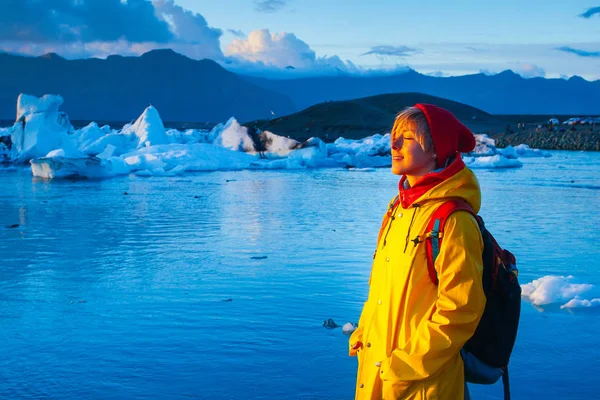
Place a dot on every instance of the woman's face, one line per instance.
(408, 157)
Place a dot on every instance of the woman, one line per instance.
(411, 331)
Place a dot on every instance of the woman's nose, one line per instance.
(397, 143)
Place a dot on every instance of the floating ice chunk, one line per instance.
(579, 303)
(64, 167)
(148, 128)
(189, 136)
(233, 136)
(509, 152)
(553, 290)
(29, 105)
(525, 151)
(122, 144)
(40, 128)
(348, 328)
(56, 153)
(484, 146)
(45, 135)
(196, 157)
(362, 169)
(496, 161)
(363, 161)
(105, 128)
(88, 135)
(116, 166)
(108, 152)
(279, 145)
(313, 155)
(147, 161)
(376, 145)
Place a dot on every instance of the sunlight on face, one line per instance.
(408, 157)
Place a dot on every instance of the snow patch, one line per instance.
(558, 290)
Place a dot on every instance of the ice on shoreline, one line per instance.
(44, 136)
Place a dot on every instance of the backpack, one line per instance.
(486, 354)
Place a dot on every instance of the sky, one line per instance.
(547, 38)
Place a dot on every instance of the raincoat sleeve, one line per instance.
(458, 309)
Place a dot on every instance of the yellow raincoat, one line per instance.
(412, 331)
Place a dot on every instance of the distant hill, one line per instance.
(504, 93)
(358, 118)
(354, 119)
(120, 88)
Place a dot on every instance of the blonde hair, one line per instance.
(421, 131)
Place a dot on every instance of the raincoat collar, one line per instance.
(408, 195)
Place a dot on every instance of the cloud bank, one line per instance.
(590, 12)
(579, 52)
(87, 28)
(269, 6)
(282, 50)
(397, 51)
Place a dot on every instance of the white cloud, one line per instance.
(395, 51)
(269, 6)
(530, 71)
(282, 50)
(193, 37)
(458, 59)
(437, 74)
(237, 33)
(184, 31)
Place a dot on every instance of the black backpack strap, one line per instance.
(506, 384)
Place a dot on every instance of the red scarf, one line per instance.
(427, 182)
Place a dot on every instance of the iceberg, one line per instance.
(89, 134)
(487, 156)
(524, 150)
(44, 136)
(554, 290)
(148, 129)
(58, 166)
(29, 105)
(495, 161)
(40, 127)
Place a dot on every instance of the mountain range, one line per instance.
(119, 88)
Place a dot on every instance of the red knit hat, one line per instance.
(448, 134)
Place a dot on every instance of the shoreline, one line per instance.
(582, 138)
(575, 138)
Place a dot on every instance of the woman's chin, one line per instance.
(397, 170)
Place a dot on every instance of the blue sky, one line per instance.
(531, 37)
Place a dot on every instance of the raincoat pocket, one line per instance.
(393, 389)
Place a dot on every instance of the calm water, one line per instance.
(216, 285)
